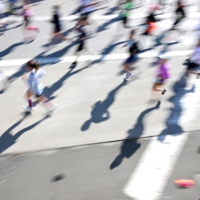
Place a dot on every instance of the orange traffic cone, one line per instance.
(184, 183)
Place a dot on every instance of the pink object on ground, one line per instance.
(32, 28)
(155, 7)
(184, 183)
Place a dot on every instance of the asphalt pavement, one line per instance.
(91, 172)
(98, 140)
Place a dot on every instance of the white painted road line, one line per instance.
(1, 182)
(97, 17)
(108, 17)
(69, 59)
(9, 169)
(8, 175)
(190, 103)
(151, 175)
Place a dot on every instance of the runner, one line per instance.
(32, 77)
(125, 14)
(27, 14)
(180, 15)
(150, 23)
(133, 54)
(81, 41)
(87, 7)
(1, 10)
(57, 31)
(162, 74)
(194, 62)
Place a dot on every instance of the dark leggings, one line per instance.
(124, 21)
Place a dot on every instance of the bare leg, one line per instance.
(126, 67)
(157, 88)
(46, 103)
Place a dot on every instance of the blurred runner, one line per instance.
(1, 10)
(194, 62)
(125, 7)
(87, 7)
(28, 13)
(32, 77)
(162, 74)
(57, 31)
(150, 24)
(180, 15)
(83, 36)
(133, 54)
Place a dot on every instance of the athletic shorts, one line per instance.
(192, 66)
(159, 81)
(151, 27)
(131, 59)
(39, 95)
(86, 15)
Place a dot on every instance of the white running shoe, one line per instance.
(29, 109)
(127, 75)
(52, 108)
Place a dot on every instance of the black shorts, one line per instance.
(86, 15)
(39, 95)
(192, 66)
(81, 46)
(57, 29)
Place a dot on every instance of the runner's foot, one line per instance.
(29, 109)
(127, 75)
(163, 92)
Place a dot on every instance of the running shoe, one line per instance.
(52, 108)
(163, 92)
(127, 75)
(29, 109)
(73, 65)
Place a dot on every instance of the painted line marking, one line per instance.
(9, 169)
(156, 164)
(49, 194)
(69, 59)
(8, 175)
(99, 17)
(1, 182)
(190, 103)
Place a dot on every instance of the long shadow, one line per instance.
(100, 111)
(110, 11)
(131, 144)
(105, 25)
(172, 122)
(106, 51)
(7, 139)
(10, 49)
(49, 91)
(17, 26)
(52, 58)
(78, 10)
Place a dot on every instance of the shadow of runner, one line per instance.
(10, 49)
(49, 91)
(56, 56)
(100, 111)
(172, 122)
(106, 51)
(104, 26)
(111, 11)
(130, 144)
(7, 139)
